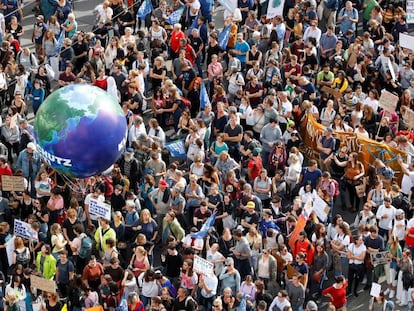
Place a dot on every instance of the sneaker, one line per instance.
(392, 294)
(387, 291)
(364, 281)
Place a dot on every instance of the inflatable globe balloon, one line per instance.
(80, 130)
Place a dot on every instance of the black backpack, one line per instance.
(402, 202)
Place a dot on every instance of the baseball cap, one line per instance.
(311, 306)
(229, 261)
(328, 129)
(399, 212)
(256, 151)
(250, 204)
(163, 183)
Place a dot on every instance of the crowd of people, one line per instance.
(243, 164)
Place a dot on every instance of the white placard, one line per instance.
(24, 230)
(100, 209)
(375, 290)
(409, 117)
(407, 41)
(10, 249)
(321, 208)
(410, 13)
(388, 101)
(275, 8)
(203, 266)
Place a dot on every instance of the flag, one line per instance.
(176, 148)
(59, 42)
(204, 229)
(175, 16)
(204, 99)
(144, 9)
(194, 24)
(243, 304)
(224, 37)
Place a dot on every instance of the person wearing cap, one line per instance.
(250, 218)
(161, 199)
(270, 134)
(311, 306)
(398, 227)
(30, 162)
(39, 30)
(230, 276)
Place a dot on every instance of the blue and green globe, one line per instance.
(80, 130)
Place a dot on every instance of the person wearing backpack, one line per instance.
(76, 247)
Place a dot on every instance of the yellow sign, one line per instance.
(42, 284)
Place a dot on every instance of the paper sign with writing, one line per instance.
(203, 266)
(321, 208)
(100, 209)
(408, 117)
(380, 258)
(388, 101)
(12, 183)
(24, 230)
(42, 284)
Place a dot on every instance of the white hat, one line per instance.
(399, 212)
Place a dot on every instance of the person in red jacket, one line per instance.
(5, 167)
(337, 292)
(134, 303)
(303, 245)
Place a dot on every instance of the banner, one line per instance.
(43, 284)
(175, 16)
(300, 224)
(275, 8)
(176, 148)
(367, 149)
(100, 209)
(388, 101)
(410, 14)
(24, 230)
(144, 9)
(204, 100)
(203, 266)
(12, 183)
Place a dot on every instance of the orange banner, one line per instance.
(367, 149)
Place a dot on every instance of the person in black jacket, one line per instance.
(129, 167)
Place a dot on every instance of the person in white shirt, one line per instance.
(281, 301)
(104, 12)
(135, 131)
(385, 215)
(356, 256)
(408, 178)
(398, 226)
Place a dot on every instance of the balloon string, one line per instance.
(76, 187)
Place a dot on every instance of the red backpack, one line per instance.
(336, 187)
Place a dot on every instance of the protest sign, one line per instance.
(100, 209)
(275, 8)
(24, 230)
(334, 92)
(410, 15)
(380, 258)
(203, 266)
(388, 101)
(12, 183)
(321, 208)
(176, 148)
(375, 290)
(408, 117)
(42, 284)
(407, 41)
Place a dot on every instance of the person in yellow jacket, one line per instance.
(45, 262)
(103, 233)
